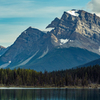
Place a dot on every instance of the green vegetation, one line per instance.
(72, 77)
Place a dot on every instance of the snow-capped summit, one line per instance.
(84, 30)
(73, 12)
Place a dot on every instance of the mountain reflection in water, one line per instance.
(49, 94)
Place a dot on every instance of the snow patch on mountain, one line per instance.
(73, 12)
(71, 40)
(9, 61)
(63, 41)
(44, 53)
(99, 48)
(27, 60)
(5, 65)
(47, 30)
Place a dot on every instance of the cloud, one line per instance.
(15, 8)
(94, 6)
(51, 11)
(28, 8)
(14, 11)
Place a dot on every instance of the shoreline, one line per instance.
(90, 86)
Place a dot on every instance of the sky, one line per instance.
(17, 15)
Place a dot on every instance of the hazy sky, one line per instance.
(17, 15)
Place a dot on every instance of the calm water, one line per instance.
(49, 94)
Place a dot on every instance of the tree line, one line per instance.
(70, 77)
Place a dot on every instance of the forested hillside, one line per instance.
(73, 77)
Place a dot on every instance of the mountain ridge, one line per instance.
(61, 59)
(71, 27)
(75, 29)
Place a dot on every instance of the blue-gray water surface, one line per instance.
(49, 94)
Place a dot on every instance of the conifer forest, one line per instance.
(71, 77)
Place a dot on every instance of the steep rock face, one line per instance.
(82, 29)
(54, 23)
(31, 41)
(89, 25)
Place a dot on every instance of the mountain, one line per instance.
(30, 43)
(61, 58)
(91, 63)
(74, 39)
(77, 28)
(54, 23)
(2, 50)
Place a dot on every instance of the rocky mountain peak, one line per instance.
(54, 23)
(25, 44)
(75, 29)
(80, 27)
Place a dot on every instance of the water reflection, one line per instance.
(49, 94)
(83, 94)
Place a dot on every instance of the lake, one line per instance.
(48, 94)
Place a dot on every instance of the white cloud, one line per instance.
(94, 6)
(19, 8)
(26, 11)
(28, 8)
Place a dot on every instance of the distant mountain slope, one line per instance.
(61, 58)
(91, 63)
